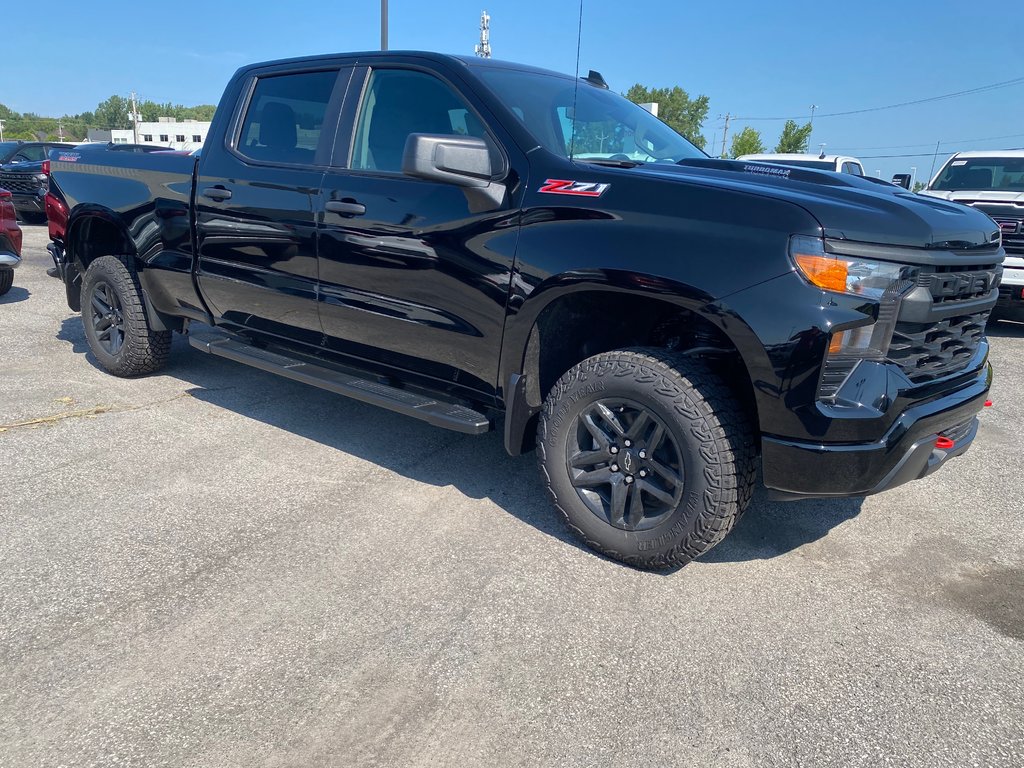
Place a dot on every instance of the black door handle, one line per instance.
(217, 193)
(345, 207)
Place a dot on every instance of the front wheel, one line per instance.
(648, 455)
(115, 322)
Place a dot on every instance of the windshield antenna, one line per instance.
(576, 86)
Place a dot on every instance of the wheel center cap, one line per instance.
(629, 462)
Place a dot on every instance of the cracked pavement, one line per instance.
(216, 567)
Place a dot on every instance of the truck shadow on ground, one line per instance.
(477, 467)
(15, 294)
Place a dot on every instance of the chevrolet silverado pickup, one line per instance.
(10, 242)
(476, 243)
(993, 182)
(23, 172)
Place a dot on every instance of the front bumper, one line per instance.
(1011, 289)
(796, 469)
(9, 260)
(28, 202)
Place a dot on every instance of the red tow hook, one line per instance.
(988, 403)
(944, 443)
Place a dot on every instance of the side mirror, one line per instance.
(461, 160)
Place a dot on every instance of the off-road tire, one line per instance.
(713, 433)
(6, 280)
(142, 350)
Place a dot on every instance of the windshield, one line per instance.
(7, 149)
(982, 173)
(600, 126)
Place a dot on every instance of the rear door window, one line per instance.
(284, 120)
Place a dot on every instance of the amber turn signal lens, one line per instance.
(835, 345)
(824, 272)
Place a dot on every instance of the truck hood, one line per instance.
(33, 167)
(977, 195)
(847, 206)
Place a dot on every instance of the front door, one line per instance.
(414, 274)
(255, 206)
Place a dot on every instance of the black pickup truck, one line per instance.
(23, 173)
(473, 243)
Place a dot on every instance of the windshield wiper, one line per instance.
(612, 163)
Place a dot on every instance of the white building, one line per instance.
(165, 132)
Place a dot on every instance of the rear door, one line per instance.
(255, 204)
(414, 273)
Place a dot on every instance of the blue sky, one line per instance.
(753, 59)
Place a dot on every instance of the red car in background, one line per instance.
(10, 242)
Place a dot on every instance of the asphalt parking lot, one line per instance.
(216, 567)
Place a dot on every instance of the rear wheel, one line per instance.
(6, 280)
(649, 456)
(115, 322)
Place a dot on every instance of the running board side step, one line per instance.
(441, 414)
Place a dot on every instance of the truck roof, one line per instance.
(992, 153)
(468, 61)
(797, 156)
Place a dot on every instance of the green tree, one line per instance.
(918, 186)
(113, 113)
(675, 107)
(794, 137)
(746, 142)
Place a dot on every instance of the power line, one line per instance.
(969, 91)
(919, 154)
(928, 144)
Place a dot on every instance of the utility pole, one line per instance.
(383, 25)
(1, 130)
(483, 48)
(913, 176)
(725, 130)
(135, 120)
(60, 130)
(811, 133)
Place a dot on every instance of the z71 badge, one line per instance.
(578, 188)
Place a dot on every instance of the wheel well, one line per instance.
(93, 237)
(582, 325)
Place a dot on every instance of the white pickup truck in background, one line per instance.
(993, 182)
(837, 163)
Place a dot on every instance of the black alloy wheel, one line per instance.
(625, 464)
(648, 454)
(116, 326)
(107, 318)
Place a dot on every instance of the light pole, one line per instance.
(913, 176)
(383, 25)
(1, 130)
(878, 172)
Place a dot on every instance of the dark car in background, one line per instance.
(10, 242)
(24, 174)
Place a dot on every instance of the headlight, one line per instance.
(843, 274)
(881, 282)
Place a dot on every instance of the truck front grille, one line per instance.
(1010, 218)
(927, 351)
(935, 343)
(19, 182)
